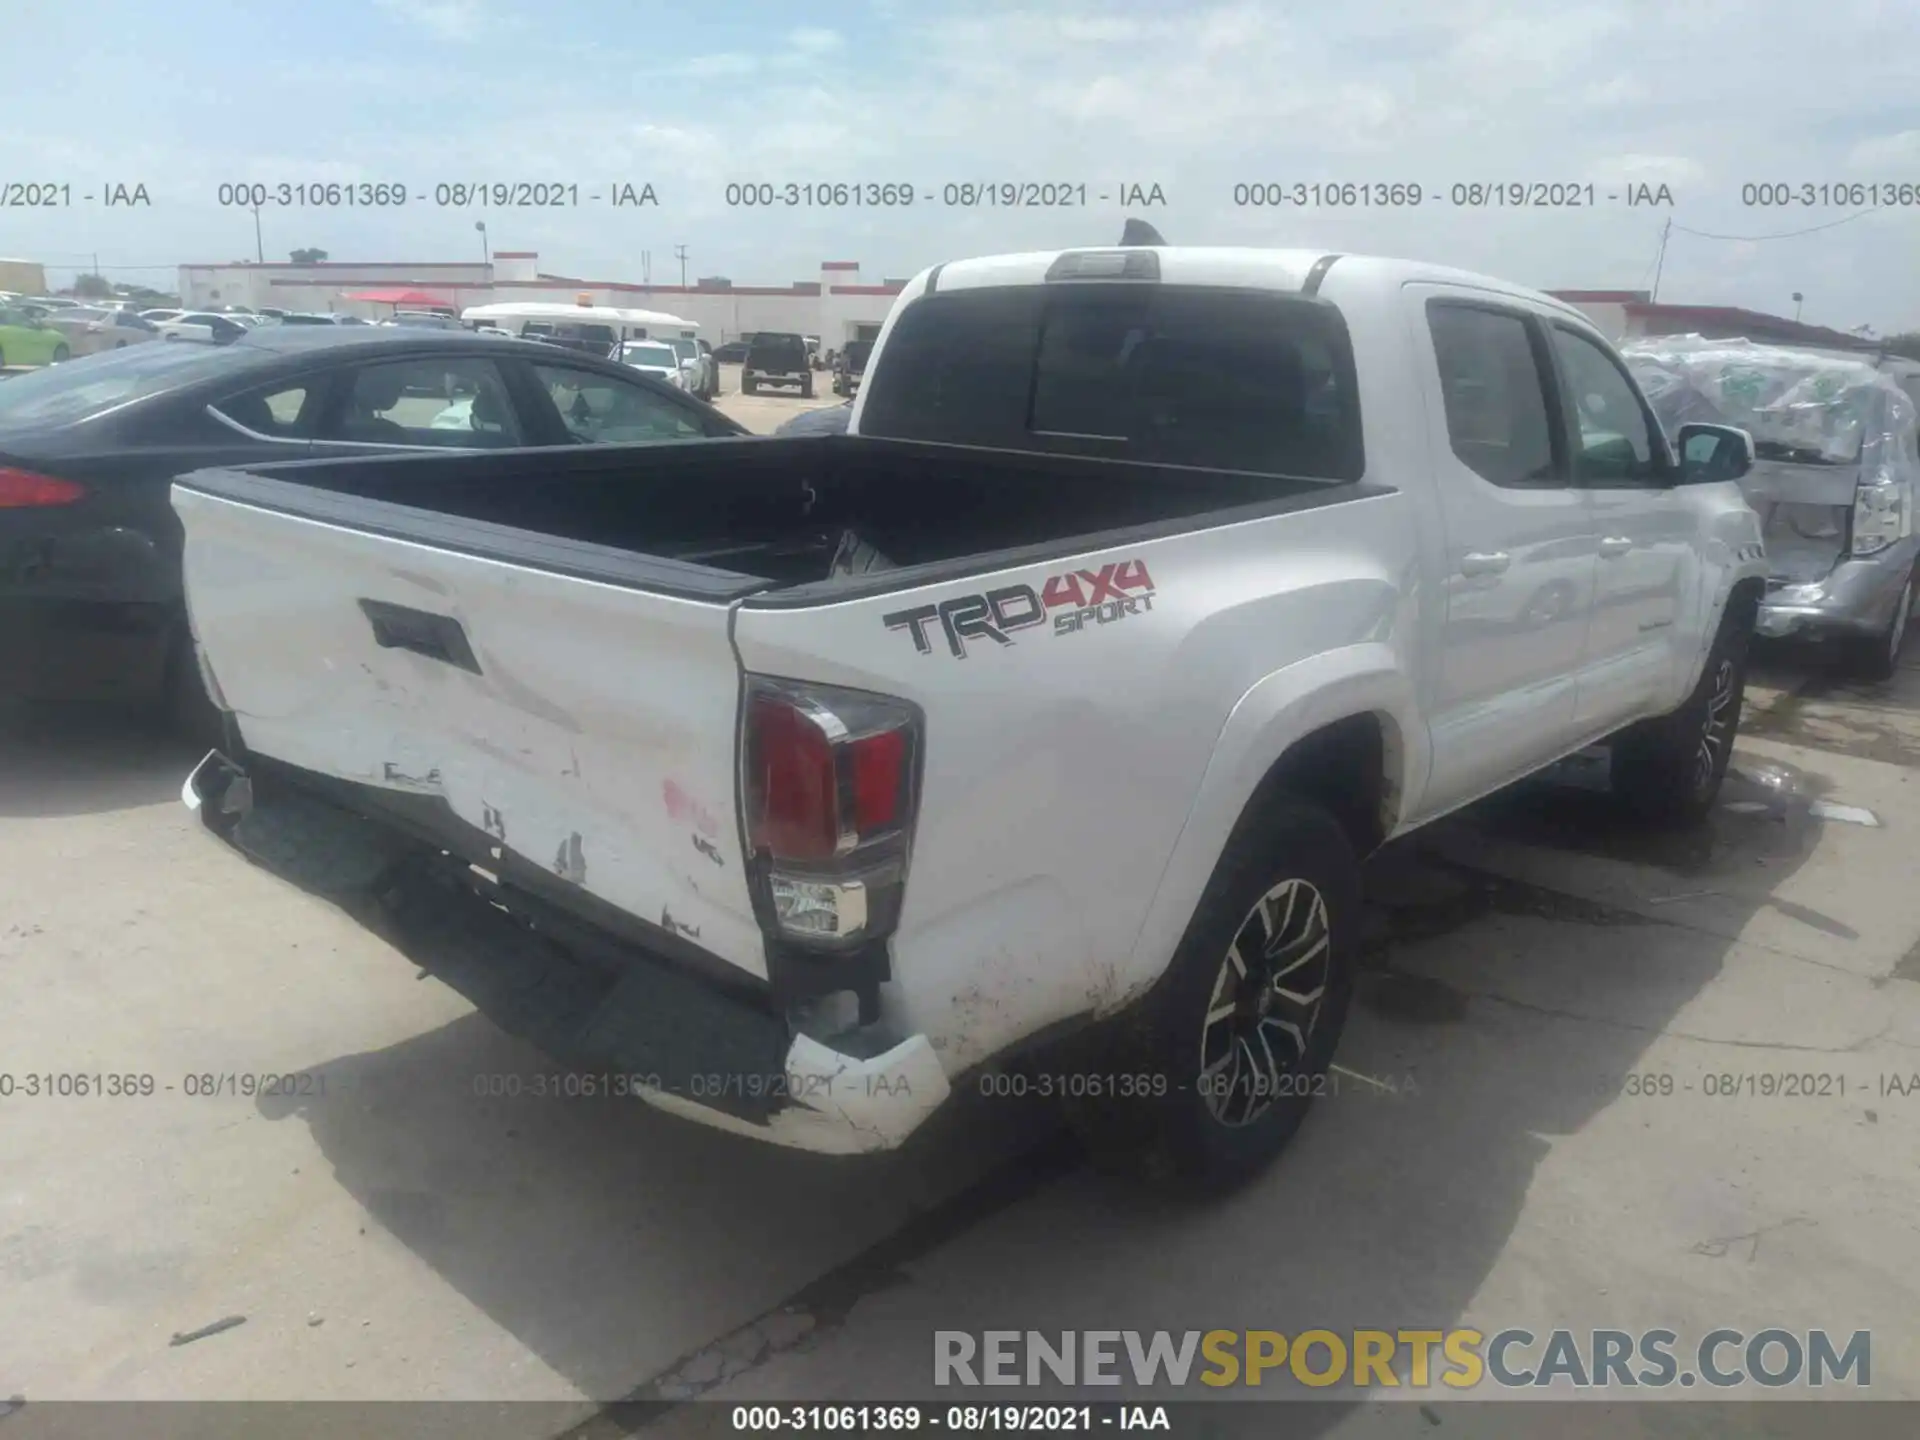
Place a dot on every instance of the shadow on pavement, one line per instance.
(85, 760)
(602, 1234)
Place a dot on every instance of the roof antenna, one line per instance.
(1139, 232)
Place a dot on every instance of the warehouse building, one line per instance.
(838, 306)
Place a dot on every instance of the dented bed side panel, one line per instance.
(587, 727)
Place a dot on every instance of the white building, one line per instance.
(837, 306)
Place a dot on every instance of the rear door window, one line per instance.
(452, 402)
(1496, 395)
(1213, 378)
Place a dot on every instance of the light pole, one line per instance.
(259, 250)
(680, 253)
(1797, 298)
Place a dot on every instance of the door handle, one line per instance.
(1613, 546)
(1476, 563)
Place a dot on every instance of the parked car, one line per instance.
(1835, 480)
(701, 378)
(105, 330)
(829, 421)
(160, 316)
(28, 338)
(1056, 701)
(849, 365)
(296, 317)
(425, 319)
(205, 326)
(656, 358)
(733, 352)
(90, 599)
(777, 359)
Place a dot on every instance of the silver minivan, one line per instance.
(1835, 474)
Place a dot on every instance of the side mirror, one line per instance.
(1713, 452)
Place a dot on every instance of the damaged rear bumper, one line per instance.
(1855, 598)
(628, 1018)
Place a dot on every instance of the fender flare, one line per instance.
(1272, 716)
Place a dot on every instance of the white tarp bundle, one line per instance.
(1799, 405)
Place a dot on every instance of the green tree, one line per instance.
(92, 287)
(308, 257)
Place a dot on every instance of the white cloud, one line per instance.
(1656, 170)
(709, 67)
(1886, 152)
(458, 20)
(811, 41)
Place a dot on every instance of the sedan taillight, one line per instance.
(24, 490)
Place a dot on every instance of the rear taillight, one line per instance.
(24, 490)
(828, 785)
(1879, 516)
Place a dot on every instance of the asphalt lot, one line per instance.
(390, 1233)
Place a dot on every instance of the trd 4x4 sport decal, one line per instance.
(1074, 599)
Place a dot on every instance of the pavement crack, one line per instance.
(1851, 1048)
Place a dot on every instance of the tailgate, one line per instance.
(588, 727)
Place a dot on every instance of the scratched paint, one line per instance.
(683, 808)
(570, 863)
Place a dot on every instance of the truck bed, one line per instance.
(762, 512)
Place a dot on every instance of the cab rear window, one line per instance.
(1190, 376)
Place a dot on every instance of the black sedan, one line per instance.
(90, 549)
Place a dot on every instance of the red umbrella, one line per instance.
(418, 299)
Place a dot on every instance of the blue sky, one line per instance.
(1702, 96)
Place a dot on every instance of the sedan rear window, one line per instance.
(81, 389)
(1190, 376)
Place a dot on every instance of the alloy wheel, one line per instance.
(1266, 1001)
(1716, 733)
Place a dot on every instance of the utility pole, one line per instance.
(1660, 263)
(646, 267)
(259, 249)
(680, 253)
(486, 249)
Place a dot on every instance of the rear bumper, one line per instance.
(626, 1022)
(1856, 598)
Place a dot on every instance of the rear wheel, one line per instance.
(749, 386)
(1876, 657)
(1237, 1036)
(806, 388)
(60, 353)
(1668, 770)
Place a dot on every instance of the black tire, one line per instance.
(806, 388)
(61, 353)
(1876, 657)
(749, 387)
(1222, 1117)
(1667, 771)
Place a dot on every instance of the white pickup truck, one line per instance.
(792, 783)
